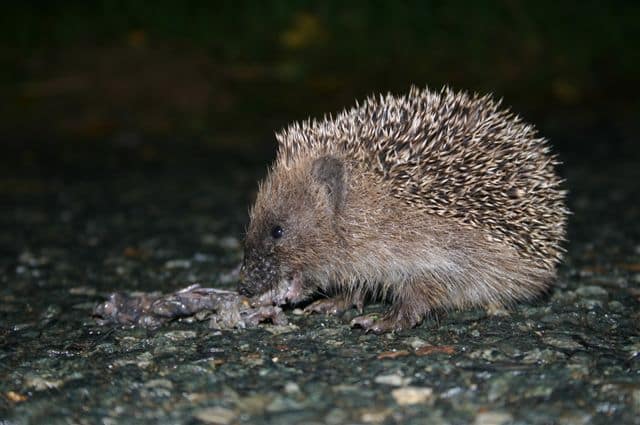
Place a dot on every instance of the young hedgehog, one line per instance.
(431, 201)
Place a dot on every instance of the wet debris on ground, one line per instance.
(225, 309)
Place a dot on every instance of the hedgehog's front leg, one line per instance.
(410, 304)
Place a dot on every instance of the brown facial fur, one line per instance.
(300, 203)
(432, 217)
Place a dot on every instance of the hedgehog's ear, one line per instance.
(329, 171)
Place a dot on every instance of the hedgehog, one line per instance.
(431, 201)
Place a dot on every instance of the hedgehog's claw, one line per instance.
(366, 322)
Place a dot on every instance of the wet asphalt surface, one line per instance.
(68, 240)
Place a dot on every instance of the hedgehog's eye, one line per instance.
(277, 232)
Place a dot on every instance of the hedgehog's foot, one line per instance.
(390, 322)
(333, 306)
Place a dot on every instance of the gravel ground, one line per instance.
(572, 357)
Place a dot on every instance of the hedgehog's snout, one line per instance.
(257, 274)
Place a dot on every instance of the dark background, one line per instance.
(109, 86)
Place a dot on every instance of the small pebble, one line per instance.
(615, 306)
(564, 342)
(375, 416)
(395, 380)
(283, 404)
(542, 356)
(592, 291)
(254, 404)
(215, 415)
(590, 304)
(159, 383)
(417, 343)
(82, 290)
(177, 264)
(291, 388)
(39, 383)
(412, 395)
(492, 418)
(180, 335)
